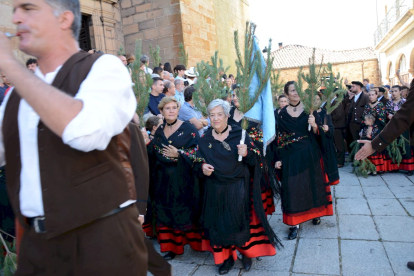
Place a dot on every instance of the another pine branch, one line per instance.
(155, 55)
(277, 86)
(183, 55)
(333, 88)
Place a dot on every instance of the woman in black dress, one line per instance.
(306, 193)
(269, 183)
(175, 200)
(232, 216)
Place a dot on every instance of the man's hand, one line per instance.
(365, 151)
(325, 128)
(278, 165)
(6, 51)
(141, 219)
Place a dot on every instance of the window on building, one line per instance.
(403, 64)
(84, 37)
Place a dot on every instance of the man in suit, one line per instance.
(400, 122)
(357, 103)
(65, 138)
(339, 122)
(381, 98)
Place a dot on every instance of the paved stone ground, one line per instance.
(371, 233)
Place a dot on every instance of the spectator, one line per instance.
(152, 125)
(180, 71)
(381, 95)
(31, 64)
(156, 95)
(4, 86)
(144, 64)
(233, 81)
(404, 92)
(188, 112)
(130, 59)
(191, 75)
(169, 89)
(179, 91)
(123, 59)
(367, 85)
(157, 72)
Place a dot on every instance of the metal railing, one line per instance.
(396, 12)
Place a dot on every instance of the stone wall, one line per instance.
(155, 22)
(352, 71)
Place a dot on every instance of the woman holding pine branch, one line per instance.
(232, 216)
(175, 200)
(269, 183)
(306, 193)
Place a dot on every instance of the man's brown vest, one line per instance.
(77, 187)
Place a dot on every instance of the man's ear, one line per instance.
(66, 19)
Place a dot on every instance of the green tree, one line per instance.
(277, 87)
(142, 83)
(155, 55)
(183, 55)
(121, 51)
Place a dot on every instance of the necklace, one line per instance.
(374, 102)
(294, 106)
(222, 131)
(173, 123)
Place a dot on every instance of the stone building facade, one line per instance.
(394, 40)
(203, 26)
(353, 64)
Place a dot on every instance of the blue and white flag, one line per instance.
(262, 111)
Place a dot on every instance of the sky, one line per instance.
(326, 24)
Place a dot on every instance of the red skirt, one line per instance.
(258, 245)
(147, 227)
(172, 240)
(268, 202)
(408, 164)
(298, 218)
(382, 162)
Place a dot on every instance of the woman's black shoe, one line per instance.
(169, 256)
(226, 266)
(316, 221)
(247, 263)
(410, 173)
(293, 233)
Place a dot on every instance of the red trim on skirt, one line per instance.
(383, 163)
(336, 182)
(407, 164)
(148, 230)
(258, 245)
(268, 203)
(175, 240)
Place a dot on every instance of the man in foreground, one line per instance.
(65, 140)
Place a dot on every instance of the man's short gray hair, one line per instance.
(219, 102)
(178, 81)
(144, 59)
(73, 6)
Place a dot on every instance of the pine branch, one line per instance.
(121, 51)
(183, 55)
(329, 93)
(142, 84)
(155, 55)
(277, 86)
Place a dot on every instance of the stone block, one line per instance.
(212, 270)
(174, 18)
(151, 34)
(386, 207)
(357, 227)
(155, 13)
(328, 229)
(352, 206)
(377, 192)
(318, 256)
(402, 191)
(408, 205)
(127, 20)
(161, 21)
(364, 258)
(140, 17)
(127, 12)
(183, 269)
(372, 181)
(161, 3)
(143, 7)
(172, 53)
(191, 257)
(170, 30)
(396, 179)
(397, 228)
(131, 39)
(138, 2)
(173, 9)
(177, 39)
(399, 254)
(165, 42)
(130, 29)
(145, 25)
(348, 191)
(126, 4)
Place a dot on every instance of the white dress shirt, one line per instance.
(356, 97)
(108, 105)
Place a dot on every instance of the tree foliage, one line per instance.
(121, 51)
(248, 64)
(155, 55)
(333, 88)
(396, 149)
(209, 85)
(277, 87)
(183, 55)
(361, 167)
(142, 83)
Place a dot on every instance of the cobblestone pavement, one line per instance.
(371, 233)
